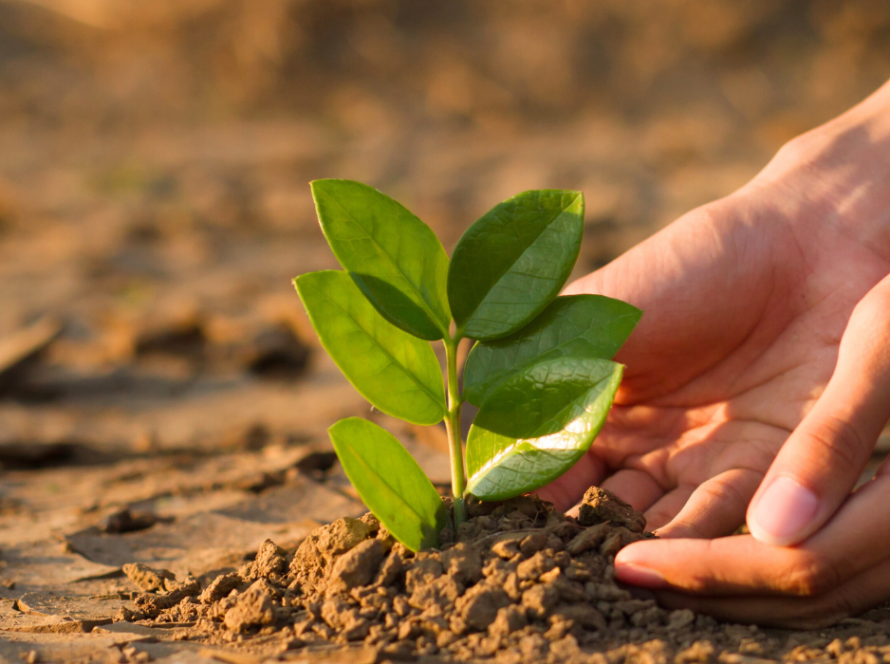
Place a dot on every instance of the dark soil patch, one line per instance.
(518, 582)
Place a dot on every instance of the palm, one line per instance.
(742, 319)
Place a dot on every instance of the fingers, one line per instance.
(716, 508)
(667, 507)
(868, 589)
(635, 487)
(824, 457)
(858, 538)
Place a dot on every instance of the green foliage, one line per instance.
(390, 482)
(394, 258)
(511, 263)
(571, 326)
(541, 372)
(525, 437)
(396, 372)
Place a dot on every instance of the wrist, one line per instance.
(836, 176)
(862, 130)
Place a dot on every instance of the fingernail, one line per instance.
(637, 575)
(782, 512)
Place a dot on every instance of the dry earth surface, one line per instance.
(163, 401)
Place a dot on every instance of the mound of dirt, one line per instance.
(519, 581)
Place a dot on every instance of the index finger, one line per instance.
(824, 457)
(857, 538)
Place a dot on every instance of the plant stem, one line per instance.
(452, 425)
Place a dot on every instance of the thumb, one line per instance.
(824, 457)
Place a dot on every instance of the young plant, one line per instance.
(540, 371)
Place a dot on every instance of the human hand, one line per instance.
(738, 356)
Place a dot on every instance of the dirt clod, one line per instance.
(603, 506)
(535, 567)
(463, 562)
(342, 535)
(356, 567)
(522, 582)
(147, 578)
(254, 608)
(220, 587)
(589, 538)
(509, 619)
(270, 559)
(480, 606)
(540, 600)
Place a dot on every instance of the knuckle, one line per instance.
(841, 443)
(723, 492)
(800, 149)
(792, 151)
(687, 528)
(805, 148)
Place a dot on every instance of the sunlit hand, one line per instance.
(760, 370)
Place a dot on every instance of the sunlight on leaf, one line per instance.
(501, 465)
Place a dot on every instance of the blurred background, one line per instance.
(154, 161)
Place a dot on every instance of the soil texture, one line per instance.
(518, 582)
(164, 402)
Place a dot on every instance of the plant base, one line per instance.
(518, 582)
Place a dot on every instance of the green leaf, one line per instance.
(571, 326)
(395, 259)
(390, 482)
(395, 371)
(559, 405)
(513, 261)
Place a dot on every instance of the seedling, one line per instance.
(540, 371)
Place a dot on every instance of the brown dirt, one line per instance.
(518, 582)
(516, 576)
(163, 401)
